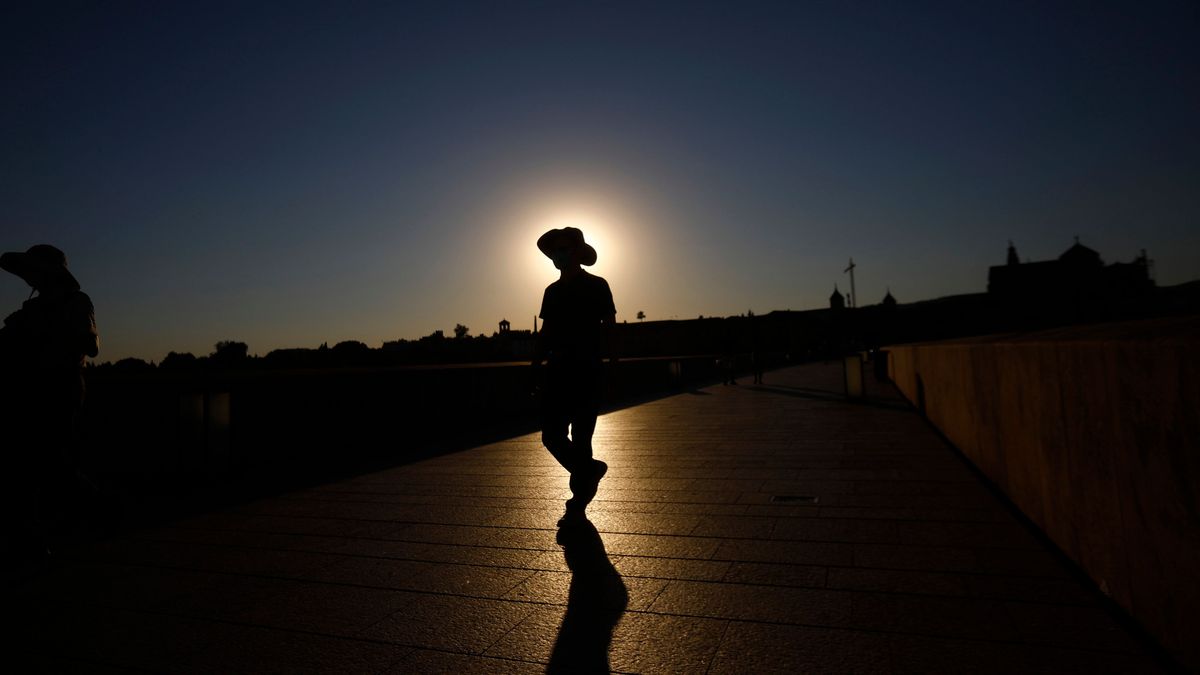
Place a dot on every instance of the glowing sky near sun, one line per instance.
(300, 173)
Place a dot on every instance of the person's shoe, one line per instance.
(600, 469)
(574, 512)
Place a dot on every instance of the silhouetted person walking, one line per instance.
(577, 315)
(42, 351)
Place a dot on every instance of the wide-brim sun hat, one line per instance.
(43, 266)
(570, 238)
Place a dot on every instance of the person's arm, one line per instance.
(83, 325)
(541, 341)
(540, 346)
(609, 325)
(540, 349)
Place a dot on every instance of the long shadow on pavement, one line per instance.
(595, 602)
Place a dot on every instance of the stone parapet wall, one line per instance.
(1094, 433)
(154, 428)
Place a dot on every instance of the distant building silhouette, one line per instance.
(514, 344)
(889, 302)
(1077, 275)
(1077, 287)
(837, 300)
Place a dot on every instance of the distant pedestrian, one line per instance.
(42, 350)
(728, 362)
(577, 317)
(725, 363)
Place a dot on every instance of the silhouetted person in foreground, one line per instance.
(595, 602)
(577, 315)
(42, 351)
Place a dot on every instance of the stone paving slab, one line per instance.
(773, 528)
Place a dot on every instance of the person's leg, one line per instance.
(587, 387)
(556, 418)
(584, 411)
(554, 437)
(583, 426)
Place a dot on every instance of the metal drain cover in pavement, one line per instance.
(794, 499)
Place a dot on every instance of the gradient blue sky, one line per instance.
(292, 173)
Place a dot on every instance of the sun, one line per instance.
(596, 231)
(607, 227)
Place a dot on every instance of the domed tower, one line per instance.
(837, 300)
(888, 301)
(1080, 256)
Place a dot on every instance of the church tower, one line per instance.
(889, 302)
(837, 300)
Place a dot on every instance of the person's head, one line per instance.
(44, 267)
(566, 247)
(563, 257)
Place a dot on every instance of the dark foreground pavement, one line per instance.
(774, 528)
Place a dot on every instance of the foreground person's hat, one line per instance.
(42, 266)
(570, 238)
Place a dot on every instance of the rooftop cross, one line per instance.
(850, 269)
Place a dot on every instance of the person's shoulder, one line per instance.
(596, 279)
(79, 299)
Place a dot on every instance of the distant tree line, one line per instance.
(652, 338)
(434, 348)
(794, 336)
